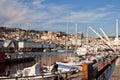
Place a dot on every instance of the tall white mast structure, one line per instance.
(116, 39)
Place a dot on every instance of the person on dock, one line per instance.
(7, 73)
(55, 68)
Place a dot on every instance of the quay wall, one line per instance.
(116, 73)
(97, 70)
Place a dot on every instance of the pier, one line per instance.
(116, 74)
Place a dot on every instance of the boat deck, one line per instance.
(116, 74)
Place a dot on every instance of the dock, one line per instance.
(116, 73)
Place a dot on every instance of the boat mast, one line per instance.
(66, 41)
(87, 39)
(117, 28)
(76, 36)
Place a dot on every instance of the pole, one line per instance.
(87, 39)
(117, 33)
(66, 42)
(76, 37)
(46, 58)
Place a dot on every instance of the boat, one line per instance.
(37, 71)
(2, 57)
(81, 51)
(18, 57)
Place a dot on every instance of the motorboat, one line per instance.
(36, 69)
(81, 51)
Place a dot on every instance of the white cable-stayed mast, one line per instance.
(105, 35)
(101, 37)
(97, 34)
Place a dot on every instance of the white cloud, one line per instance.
(46, 15)
(38, 3)
(78, 17)
(106, 8)
(12, 12)
(103, 9)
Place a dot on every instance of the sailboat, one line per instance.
(81, 50)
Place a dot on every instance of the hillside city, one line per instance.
(60, 38)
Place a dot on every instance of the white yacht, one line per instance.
(81, 51)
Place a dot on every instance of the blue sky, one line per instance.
(54, 15)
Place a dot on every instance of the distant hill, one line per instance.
(8, 29)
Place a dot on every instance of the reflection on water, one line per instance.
(45, 57)
(4, 68)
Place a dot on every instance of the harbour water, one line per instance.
(48, 59)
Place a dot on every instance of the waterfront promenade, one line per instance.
(116, 74)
